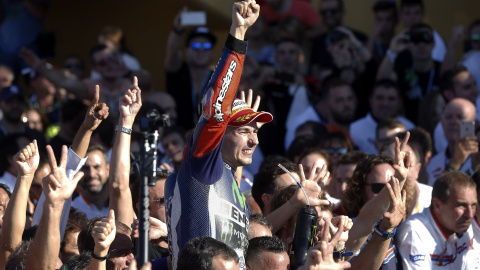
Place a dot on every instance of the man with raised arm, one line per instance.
(203, 198)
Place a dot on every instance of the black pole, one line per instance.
(149, 173)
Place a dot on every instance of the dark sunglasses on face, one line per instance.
(376, 187)
(332, 11)
(160, 201)
(420, 36)
(201, 45)
(339, 151)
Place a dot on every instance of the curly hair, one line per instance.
(352, 199)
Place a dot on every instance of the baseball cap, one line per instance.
(242, 114)
(11, 91)
(201, 32)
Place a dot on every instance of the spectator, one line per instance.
(386, 19)
(284, 92)
(259, 226)
(93, 200)
(457, 83)
(13, 105)
(421, 142)
(457, 154)
(431, 109)
(75, 66)
(35, 119)
(270, 179)
(386, 131)
(173, 141)
(409, 62)
(332, 12)
(413, 12)
(442, 235)
(470, 59)
(344, 175)
(185, 81)
(336, 145)
(341, 107)
(267, 253)
(166, 102)
(300, 144)
(5, 195)
(207, 254)
(274, 11)
(385, 102)
(6, 76)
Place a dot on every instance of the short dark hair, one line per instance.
(301, 143)
(333, 83)
(420, 140)
(443, 184)
(476, 179)
(386, 83)
(410, 3)
(260, 219)
(273, 160)
(198, 253)
(389, 123)
(79, 261)
(317, 128)
(85, 240)
(175, 129)
(6, 189)
(258, 245)
(448, 77)
(353, 157)
(94, 50)
(264, 180)
(16, 260)
(98, 147)
(287, 40)
(419, 26)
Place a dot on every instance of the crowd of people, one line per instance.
(377, 135)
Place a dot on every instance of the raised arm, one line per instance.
(456, 38)
(26, 161)
(74, 86)
(43, 252)
(397, 45)
(103, 233)
(173, 56)
(119, 189)
(376, 207)
(373, 254)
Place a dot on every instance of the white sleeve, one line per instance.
(74, 164)
(412, 249)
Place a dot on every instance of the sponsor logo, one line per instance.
(244, 118)
(416, 258)
(223, 91)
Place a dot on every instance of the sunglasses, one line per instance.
(339, 151)
(160, 201)
(201, 45)
(332, 11)
(376, 187)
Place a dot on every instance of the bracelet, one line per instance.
(450, 168)
(124, 130)
(381, 233)
(177, 31)
(391, 55)
(342, 253)
(100, 258)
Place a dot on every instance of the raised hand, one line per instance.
(312, 187)
(31, 58)
(96, 113)
(131, 102)
(320, 256)
(397, 209)
(463, 149)
(402, 158)
(103, 234)
(26, 160)
(244, 14)
(249, 99)
(56, 186)
(337, 222)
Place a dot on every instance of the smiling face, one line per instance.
(96, 172)
(239, 144)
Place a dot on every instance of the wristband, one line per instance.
(342, 253)
(100, 258)
(124, 130)
(381, 233)
(392, 56)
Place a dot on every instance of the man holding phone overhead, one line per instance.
(185, 80)
(456, 157)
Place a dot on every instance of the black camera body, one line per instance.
(420, 36)
(153, 120)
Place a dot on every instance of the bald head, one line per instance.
(456, 111)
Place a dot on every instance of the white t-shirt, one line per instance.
(438, 163)
(88, 208)
(424, 198)
(423, 245)
(363, 132)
